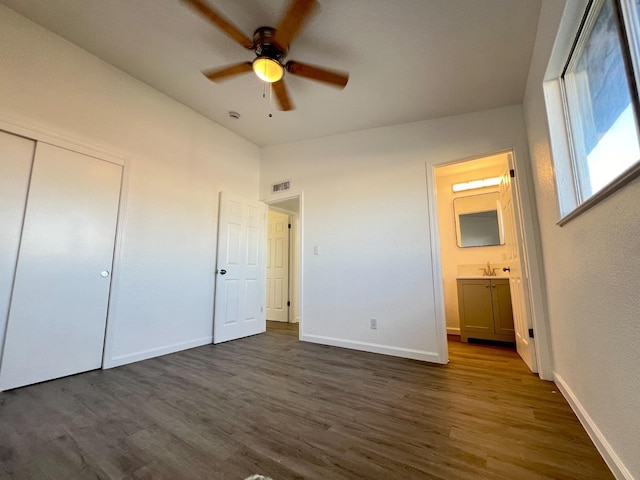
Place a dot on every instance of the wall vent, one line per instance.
(279, 187)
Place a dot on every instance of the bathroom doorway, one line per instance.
(483, 279)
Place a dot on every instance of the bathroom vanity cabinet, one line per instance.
(485, 309)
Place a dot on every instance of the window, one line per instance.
(601, 100)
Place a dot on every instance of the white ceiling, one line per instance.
(291, 205)
(408, 60)
(491, 165)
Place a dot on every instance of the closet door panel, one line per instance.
(16, 156)
(58, 311)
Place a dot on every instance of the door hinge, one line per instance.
(288, 303)
(289, 225)
(512, 173)
(531, 333)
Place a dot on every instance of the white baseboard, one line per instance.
(374, 348)
(453, 331)
(608, 454)
(155, 352)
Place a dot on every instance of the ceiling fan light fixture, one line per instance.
(267, 69)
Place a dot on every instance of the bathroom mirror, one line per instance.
(478, 220)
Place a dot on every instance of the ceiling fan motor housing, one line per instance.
(263, 42)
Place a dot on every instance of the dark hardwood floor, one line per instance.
(291, 410)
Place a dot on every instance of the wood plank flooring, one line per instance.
(291, 410)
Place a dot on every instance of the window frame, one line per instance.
(630, 50)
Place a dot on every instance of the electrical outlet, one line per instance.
(316, 250)
(374, 324)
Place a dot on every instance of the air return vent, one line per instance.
(280, 187)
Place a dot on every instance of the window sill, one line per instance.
(626, 177)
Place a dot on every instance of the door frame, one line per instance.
(298, 225)
(524, 203)
(86, 147)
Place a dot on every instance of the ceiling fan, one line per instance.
(271, 46)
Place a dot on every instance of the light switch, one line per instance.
(316, 250)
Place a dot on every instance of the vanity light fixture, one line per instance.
(487, 182)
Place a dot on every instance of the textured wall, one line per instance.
(593, 275)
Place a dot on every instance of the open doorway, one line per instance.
(484, 282)
(283, 264)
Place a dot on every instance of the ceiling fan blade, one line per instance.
(332, 77)
(221, 22)
(292, 22)
(217, 74)
(282, 95)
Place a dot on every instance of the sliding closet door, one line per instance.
(16, 155)
(58, 310)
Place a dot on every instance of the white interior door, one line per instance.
(16, 157)
(58, 309)
(278, 267)
(517, 275)
(240, 270)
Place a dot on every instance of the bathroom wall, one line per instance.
(458, 261)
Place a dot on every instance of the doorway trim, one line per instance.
(527, 219)
(299, 240)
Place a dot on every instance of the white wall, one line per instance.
(179, 161)
(365, 207)
(454, 256)
(593, 274)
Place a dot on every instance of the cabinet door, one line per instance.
(502, 311)
(476, 312)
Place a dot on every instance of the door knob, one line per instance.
(506, 269)
(104, 273)
(223, 272)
